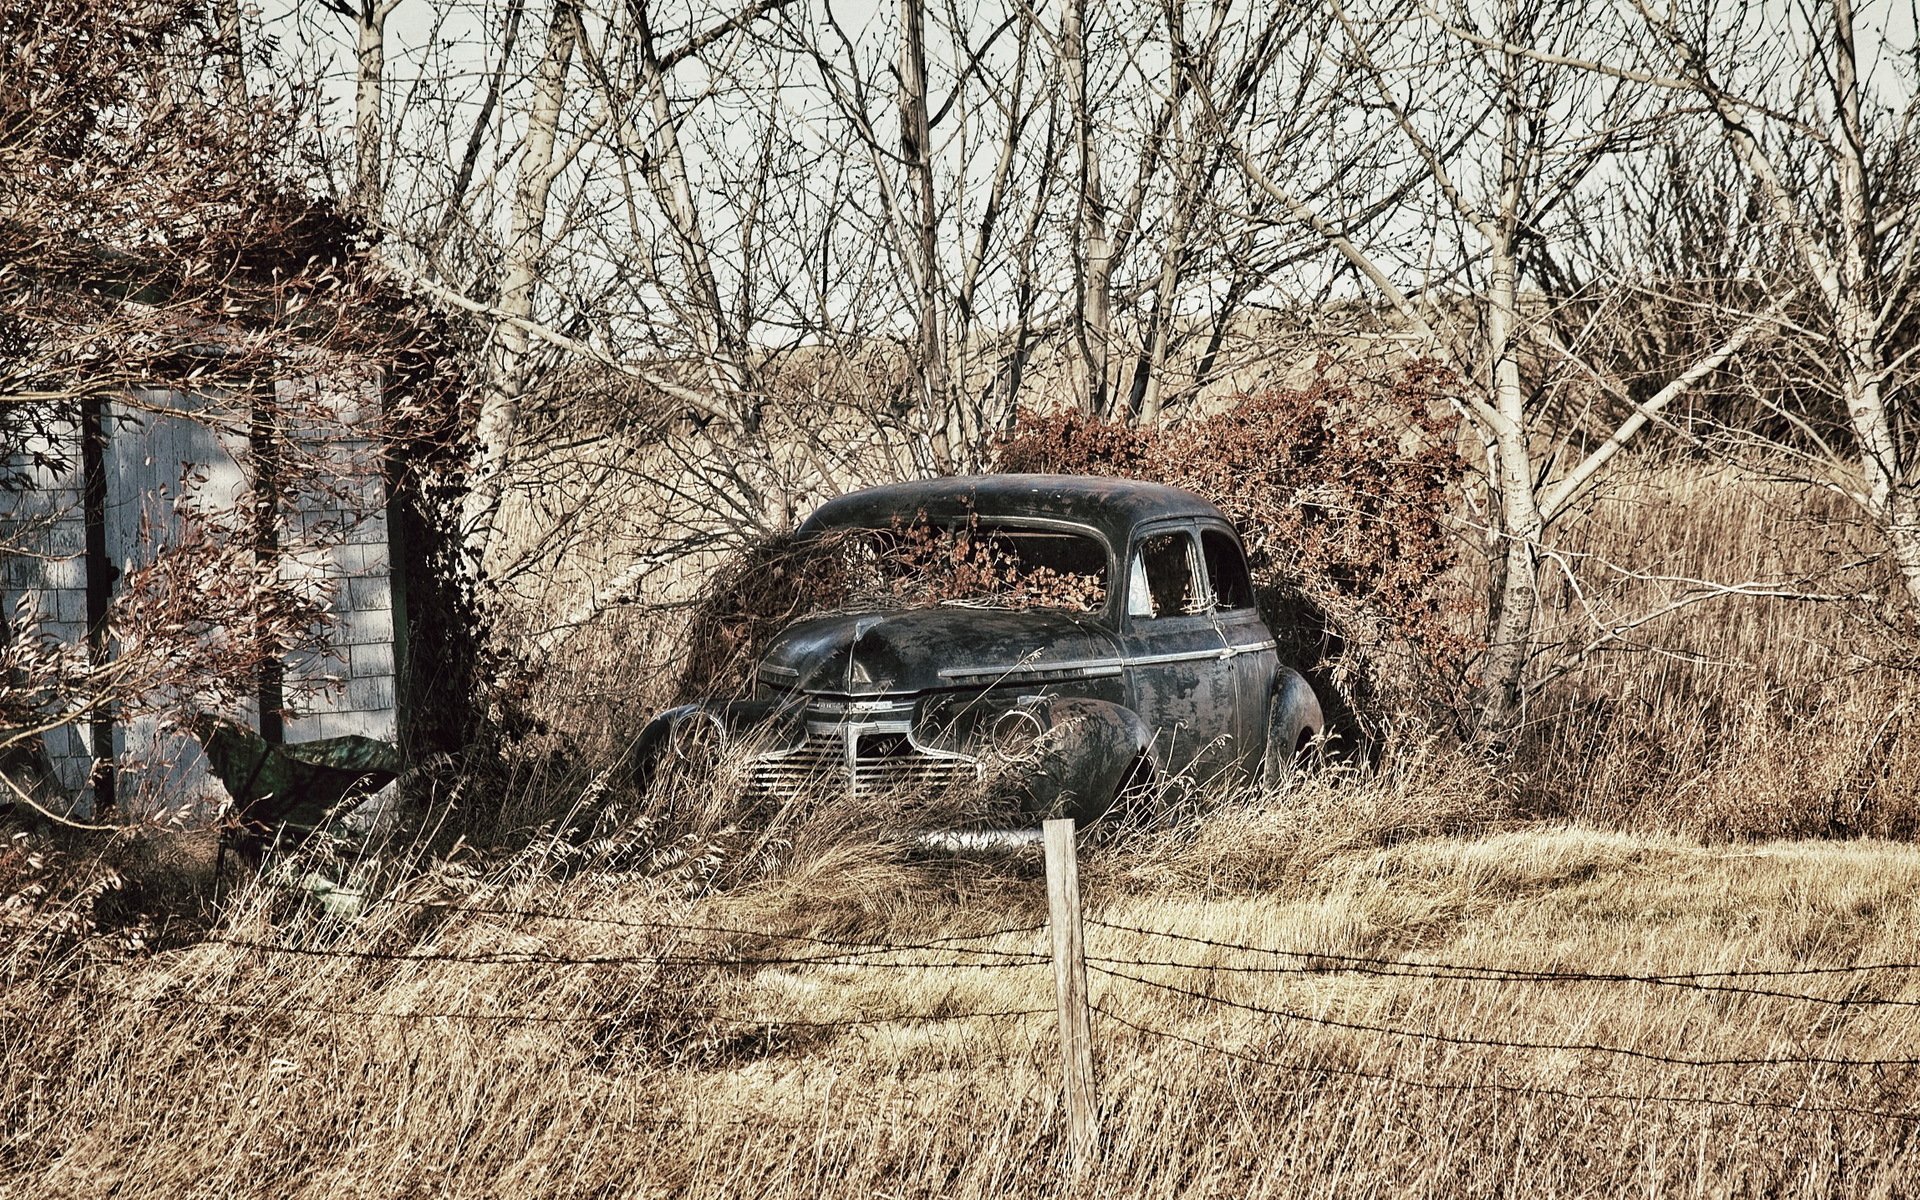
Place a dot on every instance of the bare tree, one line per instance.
(1833, 158)
(499, 420)
(1499, 134)
(923, 261)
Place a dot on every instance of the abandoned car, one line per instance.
(1058, 639)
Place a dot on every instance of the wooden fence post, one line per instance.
(1070, 986)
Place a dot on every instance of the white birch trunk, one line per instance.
(369, 127)
(1860, 325)
(498, 427)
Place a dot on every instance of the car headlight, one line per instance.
(1015, 731)
(698, 737)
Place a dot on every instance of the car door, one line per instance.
(1249, 643)
(1179, 680)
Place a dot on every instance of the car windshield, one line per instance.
(978, 564)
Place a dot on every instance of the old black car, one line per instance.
(1056, 637)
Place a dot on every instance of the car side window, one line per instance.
(1226, 570)
(1162, 582)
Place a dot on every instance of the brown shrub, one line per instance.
(745, 602)
(1342, 493)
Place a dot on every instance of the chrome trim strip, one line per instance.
(954, 841)
(1092, 668)
(1255, 648)
(1097, 668)
(854, 729)
(1146, 660)
(862, 707)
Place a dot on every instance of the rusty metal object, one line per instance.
(1171, 673)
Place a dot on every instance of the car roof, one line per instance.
(1112, 506)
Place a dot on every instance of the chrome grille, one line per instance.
(886, 763)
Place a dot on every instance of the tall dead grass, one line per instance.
(1782, 708)
(486, 1029)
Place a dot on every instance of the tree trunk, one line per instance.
(1094, 260)
(1860, 323)
(370, 64)
(1145, 401)
(1515, 597)
(499, 423)
(934, 397)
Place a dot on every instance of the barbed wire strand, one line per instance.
(1502, 1044)
(459, 909)
(1394, 969)
(1388, 1077)
(863, 959)
(1522, 974)
(1684, 985)
(268, 1008)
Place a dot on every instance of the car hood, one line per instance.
(881, 653)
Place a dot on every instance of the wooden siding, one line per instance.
(338, 544)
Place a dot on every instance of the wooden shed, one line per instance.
(104, 484)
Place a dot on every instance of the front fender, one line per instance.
(736, 717)
(1087, 752)
(1294, 722)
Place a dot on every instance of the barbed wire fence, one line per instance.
(1197, 987)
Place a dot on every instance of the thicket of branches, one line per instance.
(1345, 495)
(818, 251)
(706, 264)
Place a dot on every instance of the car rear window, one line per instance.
(1226, 570)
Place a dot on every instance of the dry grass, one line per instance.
(220, 1069)
(615, 1052)
(1757, 714)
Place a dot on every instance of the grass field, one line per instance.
(493, 1029)
(1364, 985)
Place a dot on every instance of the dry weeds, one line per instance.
(1753, 714)
(488, 1030)
(575, 1022)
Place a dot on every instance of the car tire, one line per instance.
(1139, 789)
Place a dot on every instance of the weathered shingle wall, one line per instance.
(52, 577)
(337, 539)
(354, 568)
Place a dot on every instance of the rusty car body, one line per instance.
(1119, 642)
